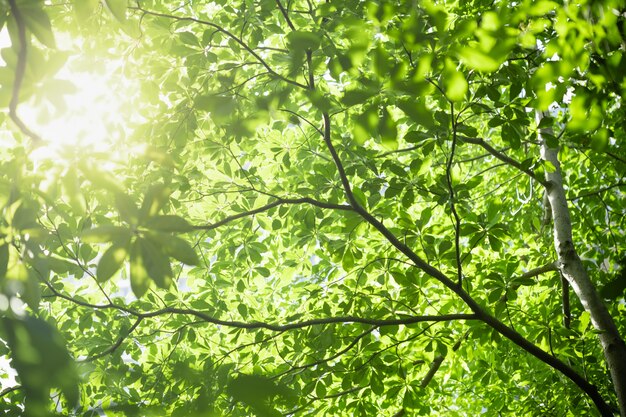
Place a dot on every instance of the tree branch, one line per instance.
(10, 390)
(599, 191)
(255, 325)
(281, 201)
(225, 32)
(576, 274)
(551, 266)
(482, 314)
(436, 363)
(306, 323)
(504, 158)
(285, 14)
(567, 314)
(457, 220)
(116, 345)
(20, 68)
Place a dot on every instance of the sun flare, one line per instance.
(86, 106)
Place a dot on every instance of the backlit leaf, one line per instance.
(111, 261)
(105, 234)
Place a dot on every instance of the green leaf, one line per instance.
(156, 197)
(38, 22)
(177, 248)
(111, 261)
(585, 319)
(455, 85)
(127, 208)
(243, 311)
(354, 97)
(155, 262)
(118, 9)
(85, 8)
(478, 60)
(168, 223)
(106, 234)
(4, 259)
(359, 196)
(139, 279)
(300, 40)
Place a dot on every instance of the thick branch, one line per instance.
(576, 274)
(255, 325)
(504, 158)
(304, 200)
(19, 74)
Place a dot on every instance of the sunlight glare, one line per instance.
(85, 107)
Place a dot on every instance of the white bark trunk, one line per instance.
(573, 270)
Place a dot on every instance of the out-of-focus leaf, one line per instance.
(177, 248)
(139, 279)
(155, 262)
(118, 9)
(257, 391)
(4, 259)
(42, 362)
(154, 200)
(105, 234)
(168, 223)
(111, 261)
(38, 22)
(84, 9)
(302, 40)
(127, 208)
(455, 84)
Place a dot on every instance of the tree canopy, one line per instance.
(308, 207)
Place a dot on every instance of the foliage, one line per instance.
(337, 209)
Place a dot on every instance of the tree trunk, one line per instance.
(573, 270)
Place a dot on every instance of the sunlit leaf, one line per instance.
(38, 22)
(111, 261)
(85, 8)
(155, 262)
(168, 223)
(139, 279)
(154, 200)
(105, 234)
(302, 40)
(180, 250)
(118, 9)
(478, 60)
(454, 82)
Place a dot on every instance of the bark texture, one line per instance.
(574, 272)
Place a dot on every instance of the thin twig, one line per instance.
(116, 345)
(281, 201)
(225, 32)
(504, 158)
(457, 220)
